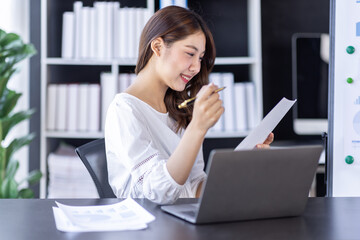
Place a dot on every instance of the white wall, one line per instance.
(14, 17)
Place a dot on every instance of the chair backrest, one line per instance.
(93, 156)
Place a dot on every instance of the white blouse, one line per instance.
(139, 140)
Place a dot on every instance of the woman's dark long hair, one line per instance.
(173, 24)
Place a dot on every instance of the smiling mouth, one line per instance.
(185, 78)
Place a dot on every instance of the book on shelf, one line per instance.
(123, 32)
(240, 104)
(180, 3)
(77, 12)
(51, 106)
(67, 48)
(109, 24)
(109, 88)
(104, 31)
(240, 107)
(93, 34)
(251, 105)
(124, 81)
(84, 107)
(139, 24)
(131, 38)
(216, 78)
(165, 3)
(85, 32)
(116, 31)
(94, 108)
(73, 109)
(100, 9)
(61, 107)
(229, 102)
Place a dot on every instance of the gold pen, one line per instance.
(191, 100)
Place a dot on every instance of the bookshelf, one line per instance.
(55, 69)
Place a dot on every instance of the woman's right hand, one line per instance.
(207, 108)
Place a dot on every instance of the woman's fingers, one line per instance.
(208, 104)
(205, 92)
(267, 142)
(214, 106)
(269, 139)
(214, 112)
(207, 97)
(263, 146)
(208, 107)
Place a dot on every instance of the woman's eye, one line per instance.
(190, 54)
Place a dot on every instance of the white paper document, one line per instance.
(267, 125)
(125, 215)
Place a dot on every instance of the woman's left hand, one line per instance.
(267, 142)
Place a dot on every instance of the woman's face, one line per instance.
(180, 62)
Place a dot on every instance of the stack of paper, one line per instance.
(125, 215)
(68, 176)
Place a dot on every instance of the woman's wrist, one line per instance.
(196, 130)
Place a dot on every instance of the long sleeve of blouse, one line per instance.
(139, 140)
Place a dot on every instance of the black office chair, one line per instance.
(93, 156)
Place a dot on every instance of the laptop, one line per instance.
(253, 184)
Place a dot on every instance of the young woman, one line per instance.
(154, 149)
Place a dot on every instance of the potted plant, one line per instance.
(12, 51)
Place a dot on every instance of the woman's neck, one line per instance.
(148, 88)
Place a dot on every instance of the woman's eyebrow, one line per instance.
(193, 47)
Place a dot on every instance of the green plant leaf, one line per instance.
(2, 162)
(10, 40)
(2, 34)
(33, 177)
(9, 188)
(11, 169)
(8, 101)
(18, 143)
(26, 193)
(20, 53)
(4, 66)
(7, 123)
(4, 79)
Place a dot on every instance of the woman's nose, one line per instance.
(195, 66)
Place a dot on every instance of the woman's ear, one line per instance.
(156, 46)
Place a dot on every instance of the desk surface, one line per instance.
(324, 218)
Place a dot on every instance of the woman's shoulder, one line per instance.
(126, 110)
(126, 101)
